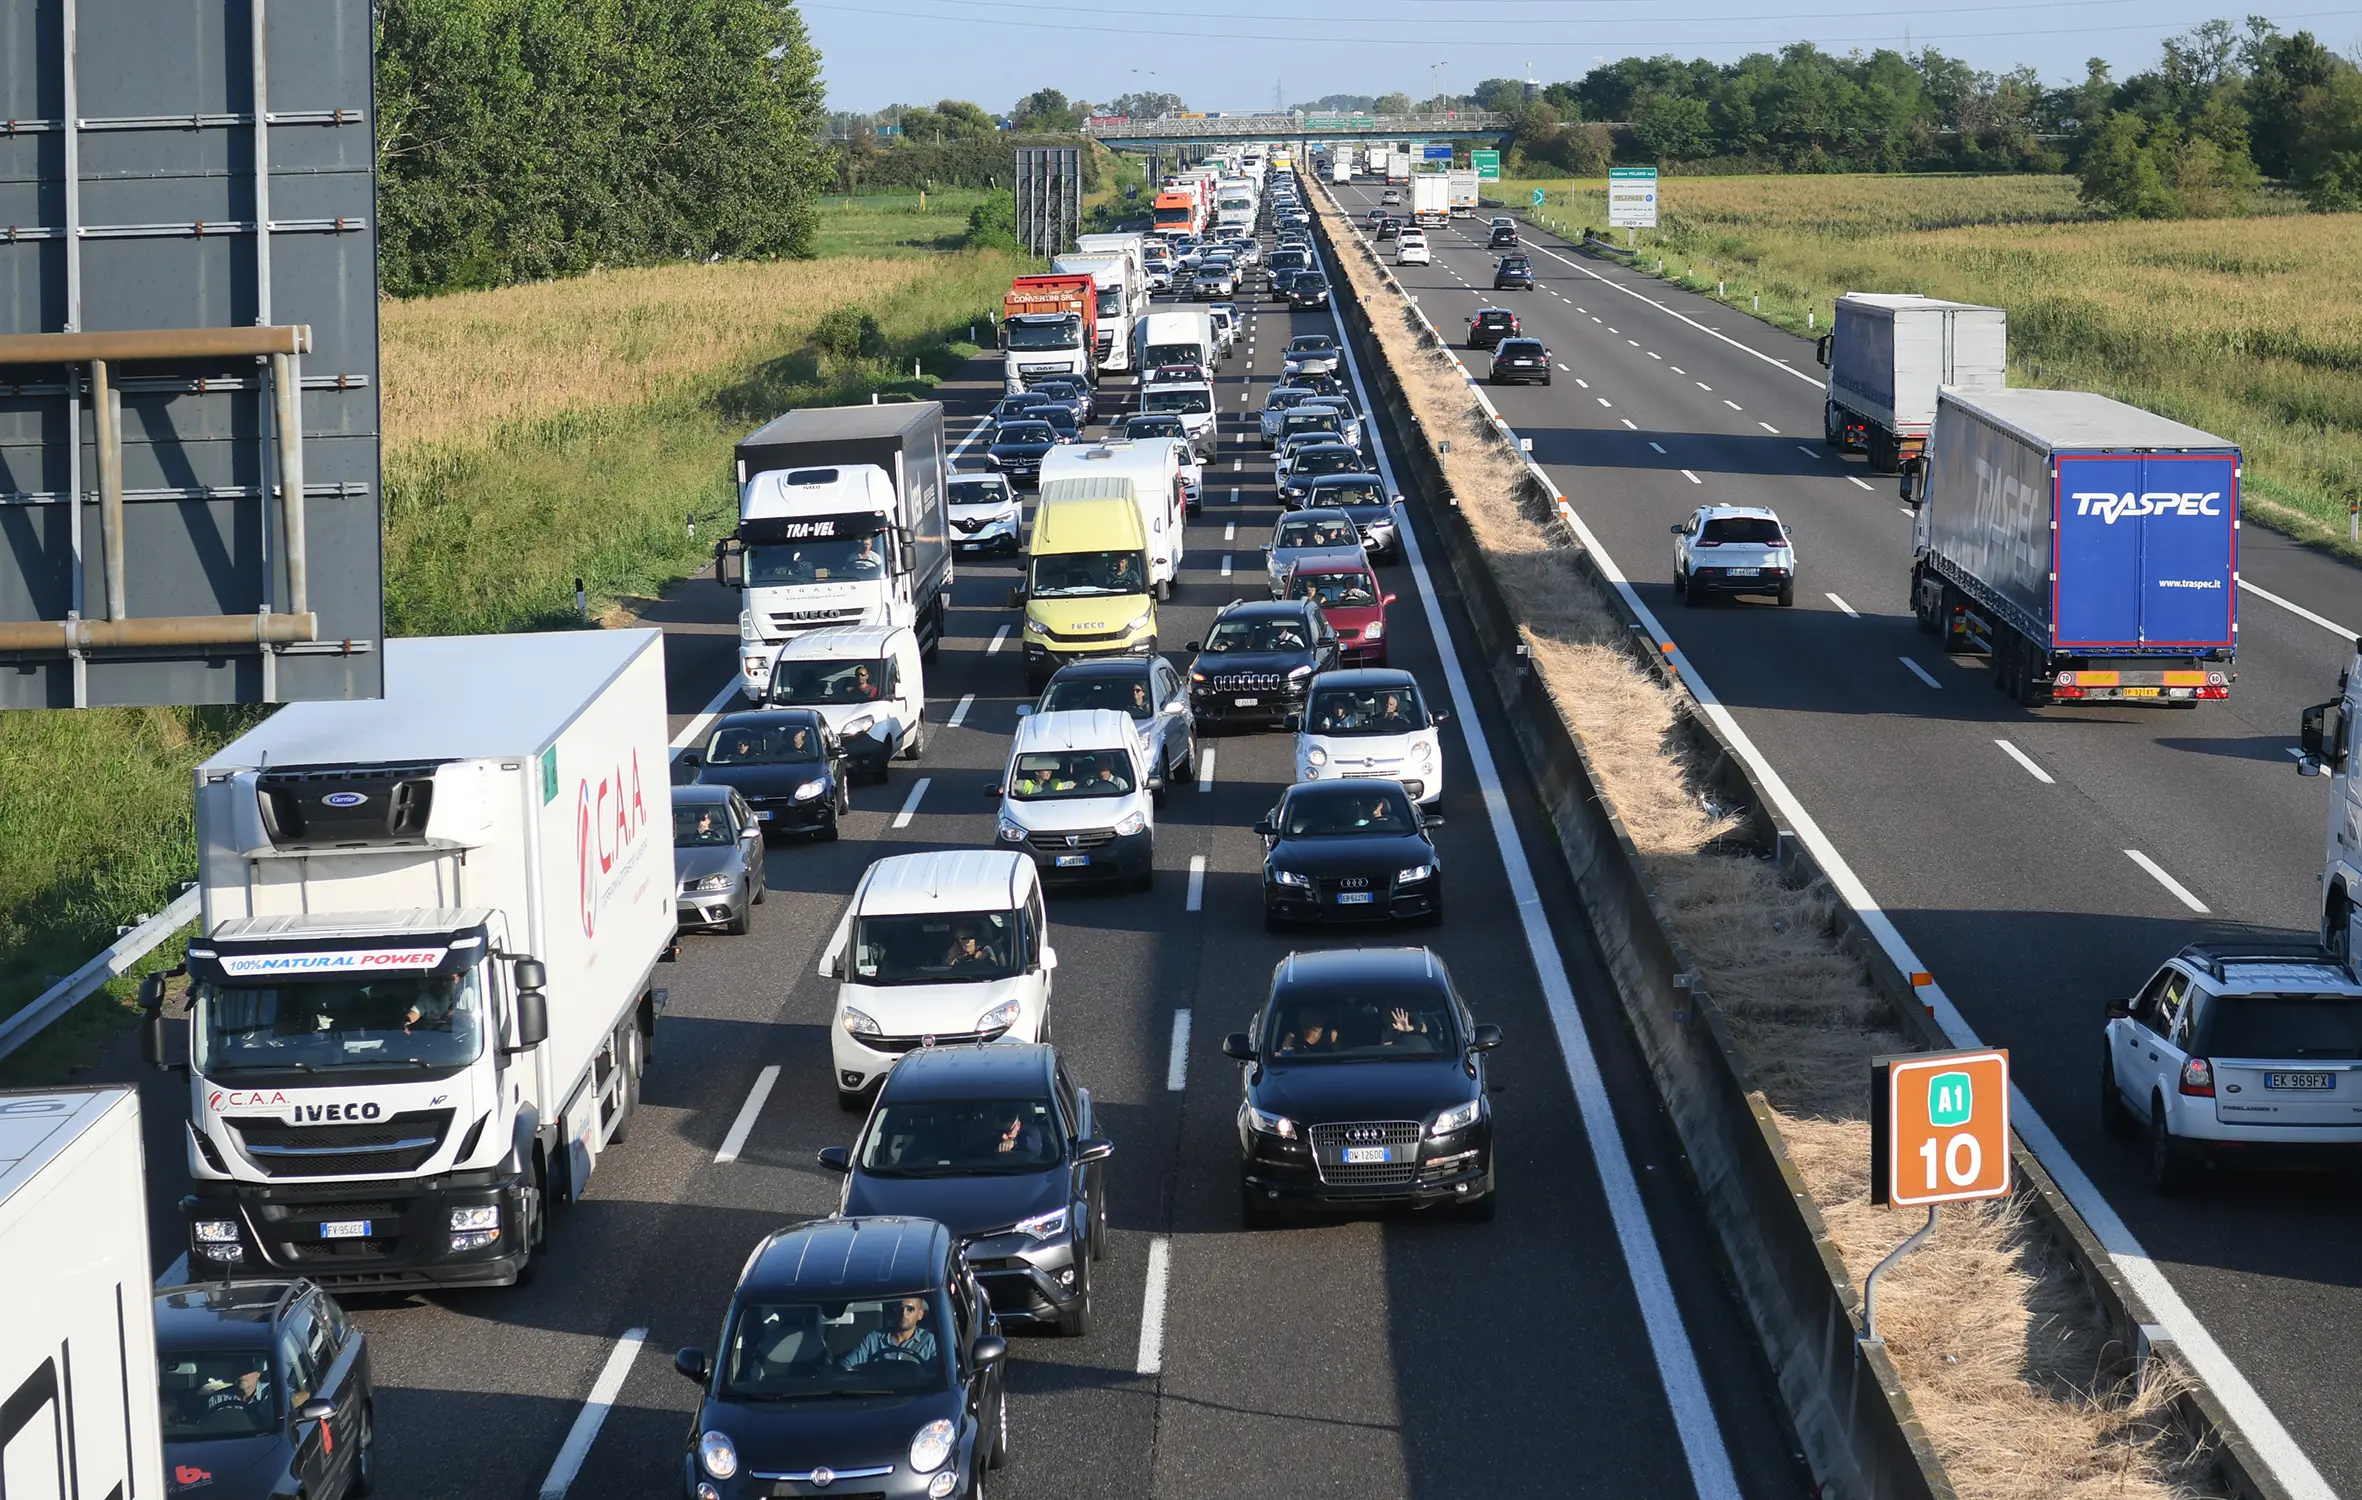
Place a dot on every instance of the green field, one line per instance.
(874, 224)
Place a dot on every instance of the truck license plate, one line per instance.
(345, 1229)
(2300, 1082)
(2140, 692)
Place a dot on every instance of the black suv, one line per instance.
(1487, 326)
(1256, 660)
(264, 1387)
(1389, 227)
(1503, 235)
(1365, 1086)
(998, 1144)
(1513, 273)
(1350, 851)
(1308, 289)
(1516, 360)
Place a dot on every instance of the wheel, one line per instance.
(1787, 595)
(851, 1104)
(762, 887)
(1680, 584)
(1689, 596)
(1186, 771)
(739, 925)
(365, 1456)
(844, 798)
(1545, 380)
(1255, 1210)
(1832, 425)
(1164, 590)
(1886, 454)
(2115, 1119)
(1078, 1321)
(2169, 1163)
(1000, 1436)
(917, 742)
(829, 832)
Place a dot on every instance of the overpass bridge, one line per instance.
(1223, 130)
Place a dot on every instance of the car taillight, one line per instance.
(2198, 1078)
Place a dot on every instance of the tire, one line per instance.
(1185, 772)
(1145, 880)
(1255, 1212)
(1078, 1321)
(741, 924)
(1921, 613)
(1680, 584)
(1787, 596)
(2169, 1164)
(1886, 453)
(844, 800)
(829, 832)
(1042, 1033)
(917, 744)
(1689, 596)
(365, 1457)
(1545, 380)
(1832, 426)
(2115, 1119)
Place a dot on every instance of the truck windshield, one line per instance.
(1065, 333)
(833, 560)
(1077, 575)
(828, 680)
(1111, 301)
(936, 948)
(1166, 216)
(320, 1024)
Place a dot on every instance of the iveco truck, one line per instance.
(423, 980)
(1888, 356)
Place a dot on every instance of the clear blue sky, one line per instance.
(1234, 54)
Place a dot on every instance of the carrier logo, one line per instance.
(221, 1099)
(610, 815)
(2110, 506)
(344, 799)
(241, 964)
(332, 1114)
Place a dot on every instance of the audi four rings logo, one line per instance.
(1364, 1133)
(1356, 883)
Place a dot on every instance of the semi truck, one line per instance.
(1121, 284)
(78, 1380)
(2090, 547)
(1049, 326)
(423, 980)
(1887, 356)
(1464, 193)
(1431, 199)
(1180, 208)
(2329, 742)
(842, 520)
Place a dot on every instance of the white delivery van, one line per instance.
(1148, 473)
(867, 681)
(1178, 336)
(937, 950)
(1079, 797)
(1190, 400)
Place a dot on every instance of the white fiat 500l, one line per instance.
(1371, 722)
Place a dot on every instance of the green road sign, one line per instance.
(1537, 197)
(1487, 164)
(1950, 1099)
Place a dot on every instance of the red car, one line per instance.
(1349, 598)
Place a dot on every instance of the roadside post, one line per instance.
(1939, 1133)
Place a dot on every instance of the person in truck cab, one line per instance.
(433, 1004)
(867, 559)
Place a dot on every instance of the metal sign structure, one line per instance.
(1049, 198)
(1632, 197)
(189, 479)
(1487, 164)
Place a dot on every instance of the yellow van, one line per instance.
(1086, 590)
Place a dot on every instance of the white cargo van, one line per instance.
(1149, 474)
(1178, 336)
(867, 681)
(1079, 796)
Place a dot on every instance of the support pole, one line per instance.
(287, 397)
(1870, 1282)
(108, 427)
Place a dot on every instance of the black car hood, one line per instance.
(763, 781)
(1356, 854)
(1020, 450)
(1330, 1093)
(246, 1468)
(861, 1432)
(963, 1205)
(1221, 663)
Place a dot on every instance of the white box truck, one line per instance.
(1341, 165)
(1123, 298)
(1431, 200)
(1888, 354)
(843, 519)
(423, 978)
(1463, 193)
(78, 1412)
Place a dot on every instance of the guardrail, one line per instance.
(134, 944)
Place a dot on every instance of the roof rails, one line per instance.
(2216, 959)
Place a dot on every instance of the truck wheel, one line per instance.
(1886, 453)
(1832, 425)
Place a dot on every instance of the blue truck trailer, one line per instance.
(2091, 548)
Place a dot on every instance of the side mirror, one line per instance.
(1024, 710)
(2118, 1009)
(1398, 500)
(1017, 597)
(1430, 820)
(315, 1411)
(692, 758)
(2320, 734)
(1194, 646)
(151, 1030)
(1177, 706)
(989, 1349)
(532, 1004)
(1293, 723)
(1266, 828)
(1239, 1047)
(1677, 529)
(730, 563)
(1912, 481)
(831, 963)
(995, 790)
(1049, 959)
(1485, 1038)
(1098, 1148)
(838, 1159)
(1442, 716)
(1388, 599)
(692, 1365)
(1821, 350)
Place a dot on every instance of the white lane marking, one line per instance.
(744, 1125)
(695, 729)
(2023, 759)
(2180, 891)
(1177, 1065)
(1205, 767)
(1807, 452)
(1921, 673)
(1197, 884)
(1767, 427)
(1777, 364)
(1702, 385)
(1733, 405)
(1237, 464)
(1234, 497)
(1595, 320)
(1615, 330)
(983, 424)
(1152, 1310)
(1856, 482)
(1230, 532)
(1906, 510)
(959, 711)
(999, 637)
(1635, 343)
(1692, 478)
(2298, 610)
(1628, 422)
(1694, 1420)
(1660, 447)
(1585, 384)
(1604, 401)
(910, 804)
(568, 1464)
(1563, 370)
(1676, 369)
(1226, 565)
(1851, 612)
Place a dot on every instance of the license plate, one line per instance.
(763, 816)
(2300, 1082)
(1071, 861)
(1357, 1155)
(1745, 572)
(345, 1229)
(2140, 692)
(1356, 898)
(1246, 702)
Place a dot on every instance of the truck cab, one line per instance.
(1086, 589)
(1150, 474)
(2329, 738)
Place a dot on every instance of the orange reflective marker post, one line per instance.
(1939, 1133)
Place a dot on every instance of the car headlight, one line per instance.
(1298, 674)
(1376, 631)
(932, 1447)
(858, 724)
(992, 458)
(858, 1023)
(1035, 627)
(1316, 756)
(1011, 833)
(1001, 1017)
(1137, 622)
(711, 883)
(1422, 753)
(718, 1454)
(1131, 825)
(1264, 1122)
(1413, 875)
(811, 789)
(1043, 1226)
(1292, 879)
(483, 1216)
(1458, 1117)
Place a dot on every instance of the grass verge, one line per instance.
(2007, 1364)
(2248, 328)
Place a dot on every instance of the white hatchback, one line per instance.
(1371, 722)
(1411, 250)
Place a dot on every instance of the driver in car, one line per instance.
(903, 1342)
(966, 951)
(1393, 714)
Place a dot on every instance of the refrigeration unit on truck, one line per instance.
(2091, 547)
(1888, 356)
(422, 984)
(842, 520)
(1049, 326)
(1122, 295)
(1431, 200)
(1463, 195)
(2329, 737)
(78, 1408)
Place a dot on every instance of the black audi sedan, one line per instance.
(998, 1145)
(1519, 361)
(1018, 446)
(264, 1389)
(1513, 273)
(787, 765)
(1256, 660)
(1309, 289)
(1349, 851)
(858, 1352)
(1365, 1087)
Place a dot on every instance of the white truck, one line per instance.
(843, 519)
(1888, 354)
(1463, 193)
(422, 984)
(1341, 165)
(78, 1409)
(1177, 335)
(1122, 282)
(1235, 204)
(2329, 737)
(1431, 200)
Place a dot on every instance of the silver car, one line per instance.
(1214, 277)
(1306, 533)
(1276, 406)
(717, 858)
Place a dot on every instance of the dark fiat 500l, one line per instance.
(1365, 1086)
(858, 1356)
(1256, 660)
(264, 1390)
(996, 1143)
(1349, 851)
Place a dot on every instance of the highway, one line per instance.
(2040, 861)
(1583, 1344)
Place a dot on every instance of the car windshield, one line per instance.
(1178, 398)
(778, 744)
(819, 560)
(1314, 419)
(323, 1023)
(1078, 575)
(217, 1393)
(1061, 420)
(826, 680)
(1284, 396)
(1128, 694)
(1063, 775)
(700, 827)
(1312, 344)
(1350, 493)
(935, 948)
(1497, 320)
(806, 1350)
(1031, 430)
(1350, 590)
(1284, 634)
(1323, 461)
(1347, 812)
(1311, 281)
(961, 1138)
(1011, 406)
(1351, 711)
(2290, 1027)
(1315, 531)
(1374, 1023)
(979, 492)
(1762, 531)
(1065, 333)
(1164, 427)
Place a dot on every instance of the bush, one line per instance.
(2139, 169)
(992, 224)
(849, 333)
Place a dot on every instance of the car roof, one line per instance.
(984, 1070)
(221, 1315)
(1075, 729)
(2235, 968)
(841, 641)
(1117, 668)
(1264, 609)
(850, 1257)
(701, 794)
(944, 880)
(1738, 512)
(1496, 312)
(1356, 965)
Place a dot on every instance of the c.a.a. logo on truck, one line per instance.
(609, 816)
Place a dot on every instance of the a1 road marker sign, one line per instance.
(1939, 1128)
